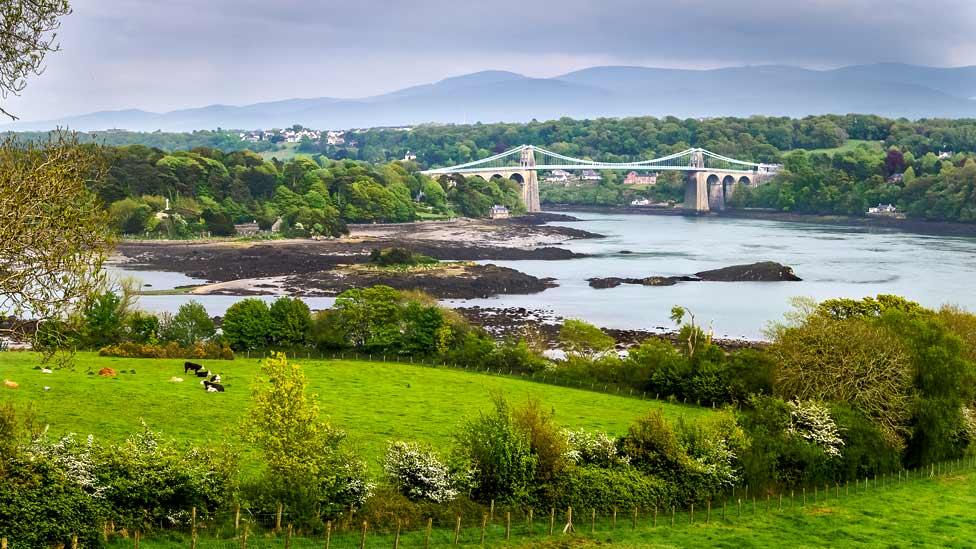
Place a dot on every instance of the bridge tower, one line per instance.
(530, 185)
(696, 187)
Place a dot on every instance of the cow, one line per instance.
(203, 373)
(213, 387)
(187, 366)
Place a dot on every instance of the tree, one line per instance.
(304, 463)
(291, 322)
(28, 32)
(54, 236)
(247, 325)
(583, 340)
(191, 324)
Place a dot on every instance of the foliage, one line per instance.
(812, 422)
(399, 257)
(291, 322)
(54, 230)
(247, 324)
(189, 326)
(596, 449)
(418, 473)
(28, 32)
(499, 454)
(211, 350)
(583, 340)
(304, 462)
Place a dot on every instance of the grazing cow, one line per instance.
(203, 373)
(213, 387)
(187, 366)
(215, 378)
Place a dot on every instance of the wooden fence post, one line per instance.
(247, 530)
(278, 519)
(691, 514)
(396, 539)
(613, 520)
(328, 534)
(491, 511)
(633, 524)
(484, 524)
(430, 524)
(288, 537)
(592, 521)
(508, 525)
(673, 510)
(237, 518)
(193, 519)
(457, 530)
(531, 522)
(655, 517)
(74, 541)
(193, 539)
(552, 519)
(708, 512)
(362, 540)
(137, 539)
(569, 521)
(3, 543)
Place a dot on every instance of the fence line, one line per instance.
(496, 525)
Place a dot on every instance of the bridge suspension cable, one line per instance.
(543, 159)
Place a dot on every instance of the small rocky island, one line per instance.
(763, 271)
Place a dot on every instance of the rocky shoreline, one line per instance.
(321, 267)
(544, 326)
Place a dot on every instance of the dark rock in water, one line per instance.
(625, 252)
(764, 271)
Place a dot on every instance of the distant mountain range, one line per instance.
(893, 90)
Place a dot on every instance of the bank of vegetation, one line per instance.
(847, 389)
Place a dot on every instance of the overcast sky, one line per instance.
(161, 55)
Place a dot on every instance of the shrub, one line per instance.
(581, 340)
(812, 422)
(151, 481)
(210, 350)
(142, 327)
(247, 325)
(603, 490)
(499, 454)
(596, 449)
(652, 446)
(40, 506)
(418, 474)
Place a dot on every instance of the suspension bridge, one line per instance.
(712, 178)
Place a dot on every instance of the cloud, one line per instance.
(182, 53)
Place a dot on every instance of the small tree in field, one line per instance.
(305, 465)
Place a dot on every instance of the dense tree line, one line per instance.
(847, 183)
(210, 190)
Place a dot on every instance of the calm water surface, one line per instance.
(832, 261)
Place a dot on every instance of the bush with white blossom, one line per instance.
(418, 473)
(812, 422)
(599, 449)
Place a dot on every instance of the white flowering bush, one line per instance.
(812, 422)
(75, 458)
(969, 423)
(599, 449)
(418, 473)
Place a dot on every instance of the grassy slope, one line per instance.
(374, 402)
(850, 145)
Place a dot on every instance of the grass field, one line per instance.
(850, 145)
(926, 512)
(375, 402)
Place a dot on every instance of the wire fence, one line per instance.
(497, 525)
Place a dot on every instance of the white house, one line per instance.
(499, 212)
(559, 176)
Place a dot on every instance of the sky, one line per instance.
(164, 55)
